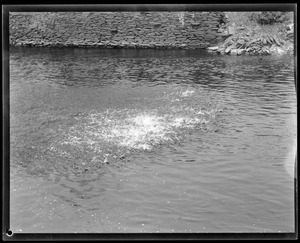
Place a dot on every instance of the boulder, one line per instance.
(276, 41)
(234, 52)
(241, 41)
(228, 41)
(240, 51)
(228, 49)
(231, 30)
(224, 33)
(276, 50)
(123, 42)
(266, 51)
(222, 52)
(213, 48)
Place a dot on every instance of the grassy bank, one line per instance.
(257, 33)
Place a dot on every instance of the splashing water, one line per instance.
(107, 135)
(187, 93)
(139, 131)
(145, 130)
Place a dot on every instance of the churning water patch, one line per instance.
(187, 93)
(141, 130)
(104, 136)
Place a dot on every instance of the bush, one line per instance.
(268, 17)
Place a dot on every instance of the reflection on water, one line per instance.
(151, 141)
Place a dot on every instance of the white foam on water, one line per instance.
(137, 132)
(187, 93)
(117, 131)
(130, 129)
(143, 131)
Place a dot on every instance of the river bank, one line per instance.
(250, 34)
(232, 33)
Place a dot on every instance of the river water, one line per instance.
(151, 141)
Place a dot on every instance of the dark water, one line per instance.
(151, 141)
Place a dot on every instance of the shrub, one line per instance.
(268, 17)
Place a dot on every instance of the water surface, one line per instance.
(151, 141)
